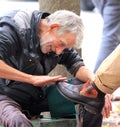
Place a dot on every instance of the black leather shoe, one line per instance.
(72, 92)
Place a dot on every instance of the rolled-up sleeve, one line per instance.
(72, 61)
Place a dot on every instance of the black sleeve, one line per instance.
(8, 42)
(71, 60)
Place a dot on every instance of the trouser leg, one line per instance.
(91, 120)
(107, 77)
(11, 115)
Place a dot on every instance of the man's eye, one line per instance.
(62, 43)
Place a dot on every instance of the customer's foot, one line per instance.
(88, 96)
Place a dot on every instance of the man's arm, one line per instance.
(84, 74)
(8, 72)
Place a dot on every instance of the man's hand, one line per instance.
(107, 107)
(46, 80)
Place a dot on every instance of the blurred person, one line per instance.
(109, 10)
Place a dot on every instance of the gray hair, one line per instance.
(69, 22)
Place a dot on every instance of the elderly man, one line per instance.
(31, 45)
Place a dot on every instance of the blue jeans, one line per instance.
(110, 12)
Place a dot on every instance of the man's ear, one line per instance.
(55, 25)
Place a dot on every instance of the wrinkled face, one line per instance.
(51, 41)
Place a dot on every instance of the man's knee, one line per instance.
(20, 121)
